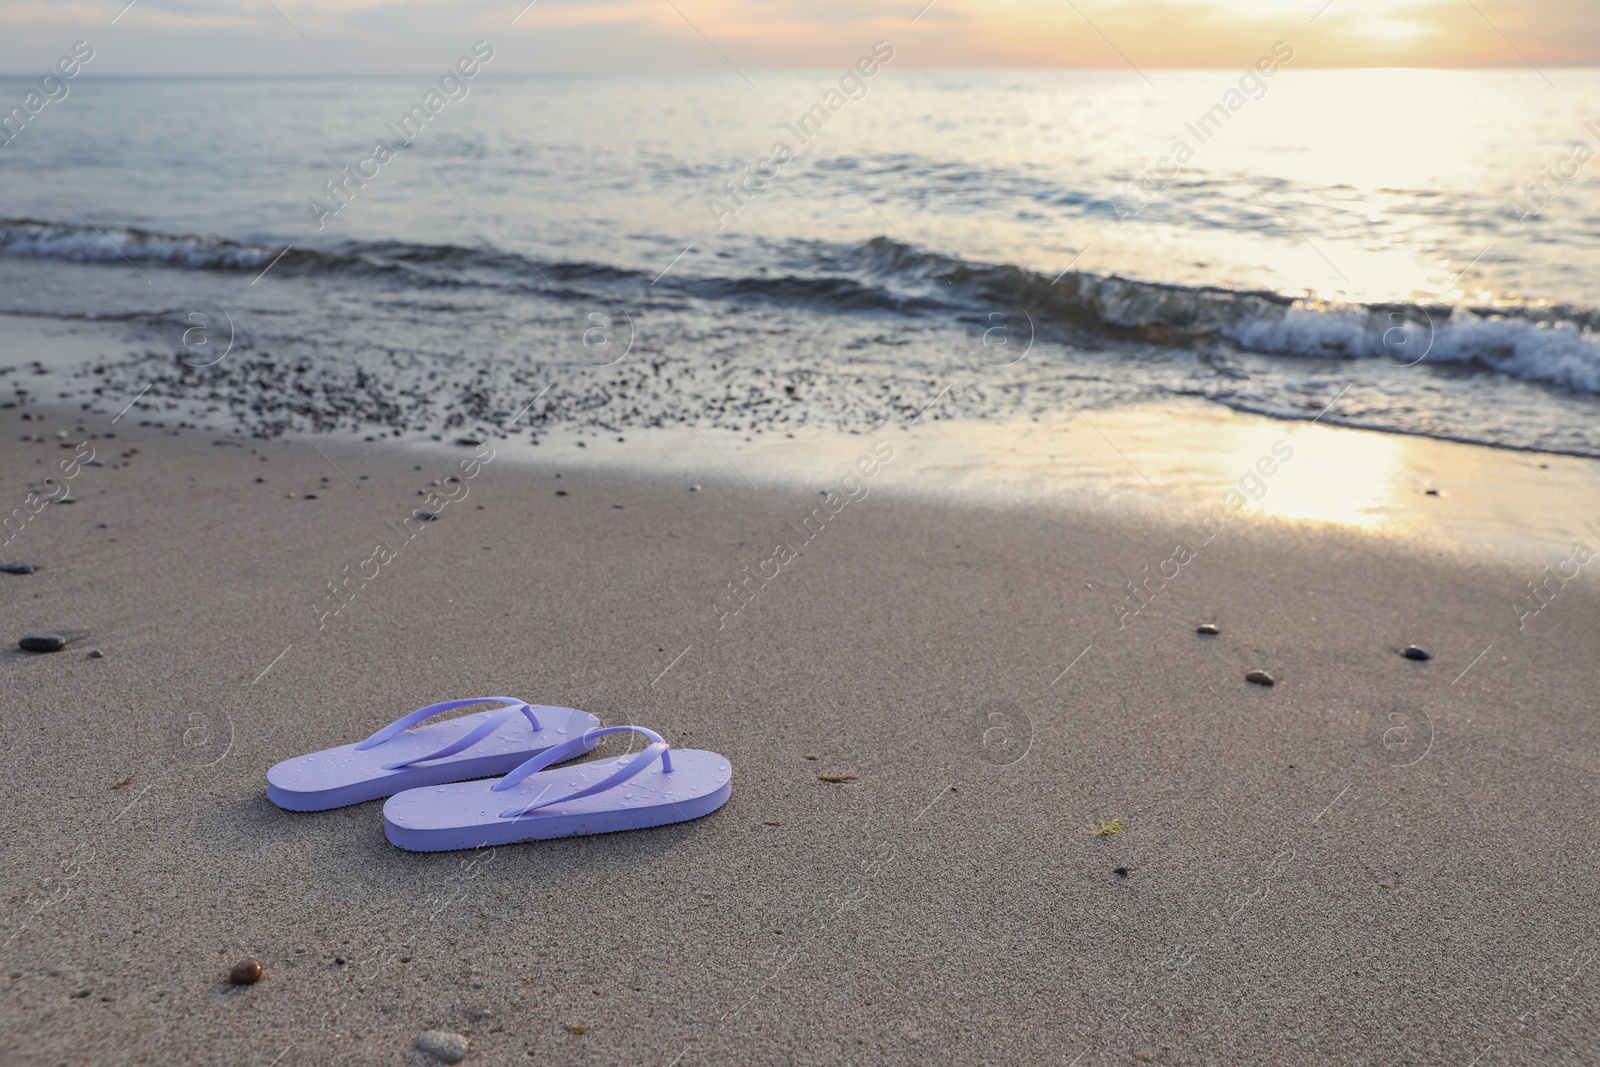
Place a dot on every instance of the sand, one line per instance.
(1373, 861)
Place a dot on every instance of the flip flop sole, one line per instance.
(339, 777)
(467, 814)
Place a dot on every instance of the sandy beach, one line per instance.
(1375, 860)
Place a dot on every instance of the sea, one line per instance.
(1411, 251)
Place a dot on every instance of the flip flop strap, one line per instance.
(577, 746)
(466, 740)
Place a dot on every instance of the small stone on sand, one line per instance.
(442, 1045)
(836, 778)
(95, 653)
(1413, 652)
(17, 568)
(1120, 872)
(245, 972)
(694, 489)
(1260, 678)
(576, 1028)
(561, 492)
(42, 643)
(1208, 628)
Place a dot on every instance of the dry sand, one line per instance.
(1374, 861)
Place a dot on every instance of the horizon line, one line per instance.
(87, 75)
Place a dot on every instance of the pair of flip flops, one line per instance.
(437, 777)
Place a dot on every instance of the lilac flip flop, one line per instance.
(398, 757)
(651, 788)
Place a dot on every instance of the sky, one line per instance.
(331, 37)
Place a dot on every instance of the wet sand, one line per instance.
(1373, 861)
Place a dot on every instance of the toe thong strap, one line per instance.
(466, 740)
(658, 747)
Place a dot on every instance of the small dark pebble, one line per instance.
(309, 496)
(1413, 652)
(42, 643)
(245, 972)
(1430, 492)
(1120, 872)
(1210, 629)
(425, 516)
(1260, 678)
(17, 568)
(617, 506)
(470, 442)
(339, 961)
(561, 492)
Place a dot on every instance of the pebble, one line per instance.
(561, 492)
(245, 972)
(442, 1045)
(1260, 678)
(1431, 492)
(42, 643)
(17, 568)
(425, 516)
(1413, 652)
(837, 779)
(95, 653)
(1120, 872)
(694, 489)
(1208, 628)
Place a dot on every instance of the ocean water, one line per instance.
(1413, 251)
